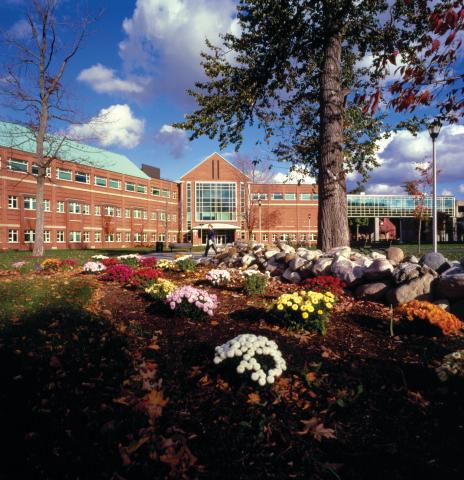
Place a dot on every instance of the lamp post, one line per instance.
(434, 130)
(259, 212)
(309, 228)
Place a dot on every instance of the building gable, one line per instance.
(215, 168)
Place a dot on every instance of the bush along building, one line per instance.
(95, 198)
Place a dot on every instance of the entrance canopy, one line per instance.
(216, 226)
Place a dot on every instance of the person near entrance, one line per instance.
(210, 240)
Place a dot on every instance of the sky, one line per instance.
(142, 56)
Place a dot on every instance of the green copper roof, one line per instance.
(20, 138)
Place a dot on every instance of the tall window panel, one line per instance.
(216, 201)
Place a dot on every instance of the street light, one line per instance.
(259, 205)
(434, 130)
(309, 228)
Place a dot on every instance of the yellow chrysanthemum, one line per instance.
(294, 306)
(280, 306)
(320, 312)
(305, 315)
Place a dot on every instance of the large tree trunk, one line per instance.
(332, 215)
(39, 213)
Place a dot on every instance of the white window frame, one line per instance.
(75, 237)
(13, 235)
(60, 235)
(29, 236)
(82, 174)
(60, 206)
(12, 161)
(31, 202)
(74, 208)
(13, 202)
(64, 170)
(114, 180)
(104, 181)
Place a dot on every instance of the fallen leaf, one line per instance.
(316, 428)
(311, 376)
(253, 398)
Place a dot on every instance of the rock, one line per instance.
(433, 260)
(412, 259)
(451, 286)
(322, 266)
(378, 256)
(270, 253)
(247, 260)
(406, 272)
(293, 277)
(418, 288)
(286, 248)
(442, 303)
(279, 257)
(312, 254)
(374, 292)
(340, 252)
(396, 254)
(271, 268)
(363, 261)
(455, 270)
(457, 308)
(380, 268)
(346, 270)
(289, 257)
(297, 263)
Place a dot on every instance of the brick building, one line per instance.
(95, 198)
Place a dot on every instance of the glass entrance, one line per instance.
(222, 236)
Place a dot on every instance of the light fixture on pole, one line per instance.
(434, 130)
(309, 228)
(259, 205)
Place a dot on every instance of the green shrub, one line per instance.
(187, 264)
(255, 283)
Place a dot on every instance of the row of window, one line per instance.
(30, 203)
(285, 196)
(84, 237)
(292, 237)
(84, 177)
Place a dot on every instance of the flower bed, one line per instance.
(218, 278)
(118, 273)
(110, 261)
(325, 283)
(160, 289)
(192, 302)
(255, 351)
(255, 282)
(149, 262)
(431, 315)
(51, 264)
(94, 267)
(166, 264)
(143, 277)
(99, 257)
(131, 259)
(304, 310)
(185, 263)
(452, 366)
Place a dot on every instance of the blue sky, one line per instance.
(143, 54)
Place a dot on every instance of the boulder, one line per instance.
(418, 288)
(406, 272)
(322, 266)
(457, 308)
(451, 286)
(291, 276)
(395, 254)
(286, 248)
(297, 263)
(433, 260)
(412, 259)
(271, 268)
(346, 270)
(455, 270)
(270, 253)
(289, 257)
(340, 252)
(374, 292)
(312, 254)
(378, 256)
(279, 257)
(380, 268)
(247, 260)
(442, 303)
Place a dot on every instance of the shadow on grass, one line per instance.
(61, 369)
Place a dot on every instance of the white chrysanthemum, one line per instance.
(247, 346)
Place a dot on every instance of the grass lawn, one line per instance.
(452, 251)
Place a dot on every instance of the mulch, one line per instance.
(356, 403)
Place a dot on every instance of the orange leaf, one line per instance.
(253, 398)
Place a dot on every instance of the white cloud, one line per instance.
(104, 80)
(384, 189)
(165, 38)
(115, 125)
(20, 29)
(175, 138)
(461, 188)
(293, 177)
(446, 192)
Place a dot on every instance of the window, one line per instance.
(265, 237)
(290, 196)
(242, 236)
(174, 195)
(293, 237)
(97, 237)
(305, 196)
(302, 237)
(153, 215)
(12, 201)
(315, 196)
(118, 212)
(74, 207)
(274, 237)
(109, 237)
(142, 188)
(85, 209)
(277, 196)
(144, 214)
(216, 201)
(47, 236)
(17, 165)
(60, 207)
(97, 210)
(165, 193)
(127, 236)
(169, 217)
(46, 205)
(145, 237)
(74, 237)
(284, 237)
(60, 236)
(189, 206)
(127, 213)
(130, 187)
(62, 174)
(119, 237)
(162, 216)
(153, 237)
(35, 170)
(137, 237)
(259, 196)
(137, 213)
(100, 181)
(86, 237)
(109, 211)
(253, 236)
(12, 236)
(174, 217)
(82, 177)
(29, 203)
(115, 183)
(29, 236)
(155, 192)
(162, 237)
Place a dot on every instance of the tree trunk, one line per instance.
(332, 212)
(419, 236)
(39, 250)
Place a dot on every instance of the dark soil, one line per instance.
(354, 404)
